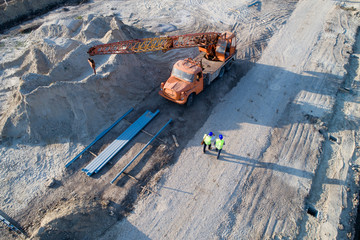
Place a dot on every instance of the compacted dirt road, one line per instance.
(288, 110)
(278, 161)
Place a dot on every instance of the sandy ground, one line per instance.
(277, 108)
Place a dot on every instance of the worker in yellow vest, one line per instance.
(219, 145)
(207, 139)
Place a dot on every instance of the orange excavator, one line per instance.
(189, 77)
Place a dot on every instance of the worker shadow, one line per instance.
(248, 162)
(176, 190)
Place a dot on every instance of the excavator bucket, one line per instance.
(92, 64)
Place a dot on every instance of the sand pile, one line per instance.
(76, 220)
(13, 12)
(58, 96)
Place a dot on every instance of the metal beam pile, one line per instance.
(98, 137)
(106, 155)
(11, 226)
(127, 165)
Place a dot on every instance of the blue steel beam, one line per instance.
(11, 226)
(127, 165)
(106, 155)
(98, 137)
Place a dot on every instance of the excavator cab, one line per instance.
(226, 46)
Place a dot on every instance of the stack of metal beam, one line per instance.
(106, 155)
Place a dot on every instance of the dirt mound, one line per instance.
(76, 221)
(13, 12)
(58, 95)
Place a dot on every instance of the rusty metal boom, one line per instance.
(156, 44)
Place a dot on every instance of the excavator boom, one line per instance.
(155, 44)
(189, 77)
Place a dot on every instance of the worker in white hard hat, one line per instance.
(219, 145)
(207, 139)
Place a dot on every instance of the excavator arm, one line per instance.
(206, 41)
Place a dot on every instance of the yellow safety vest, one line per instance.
(207, 139)
(219, 143)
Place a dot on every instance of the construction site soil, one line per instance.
(52, 106)
(14, 12)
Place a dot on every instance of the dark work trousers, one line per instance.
(218, 151)
(204, 150)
